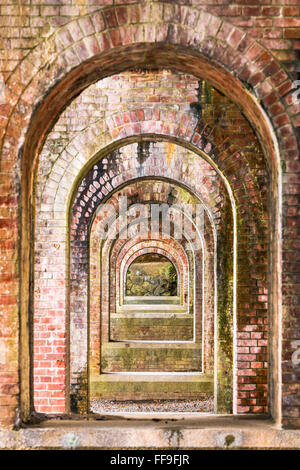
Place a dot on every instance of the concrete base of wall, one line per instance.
(153, 431)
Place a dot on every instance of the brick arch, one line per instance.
(128, 253)
(119, 246)
(153, 196)
(113, 248)
(220, 160)
(60, 285)
(246, 57)
(175, 255)
(134, 247)
(120, 249)
(185, 277)
(122, 273)
(200, 152)
(88, 198)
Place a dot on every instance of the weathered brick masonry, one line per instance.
(62, 156)
(208, 87)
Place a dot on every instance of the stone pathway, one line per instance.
(204, 405)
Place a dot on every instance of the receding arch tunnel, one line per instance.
(150, 130)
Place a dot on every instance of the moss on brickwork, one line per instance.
(225, 312)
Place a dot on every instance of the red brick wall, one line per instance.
(26, 26)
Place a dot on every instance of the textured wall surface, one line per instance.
(109, 106)
(50, 51)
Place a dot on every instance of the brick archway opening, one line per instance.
(79, 294)
(160, 339)
(99, 277)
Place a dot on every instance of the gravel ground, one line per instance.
(204, 405)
